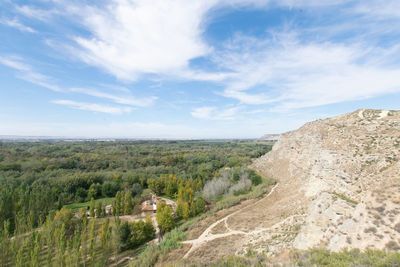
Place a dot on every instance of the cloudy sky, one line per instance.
(192, 69)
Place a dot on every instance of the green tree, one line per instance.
(99, 208)
(92, 239)
(109, 189)
(20, 257)
(136, 189)
(118, 204)
(164, 218)
(4, 244)
(91, 208)
(128, 207)
(94, 190)
(149, 230)
(103, 212)
(179, 209)
(199, 206)
(185, 210)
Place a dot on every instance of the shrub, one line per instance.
(254, 177)
(241, 187)
(132, 235)
(148, 258)
(94, 191)
(199, 206)
(150, 255)
(171, 241)
(136, 190)
(216, 187)
(109, 189)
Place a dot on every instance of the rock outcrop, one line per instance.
(343, 175)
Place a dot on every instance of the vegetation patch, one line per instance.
(152, 252)
(85, 205)
(370, 258)
(345, 198)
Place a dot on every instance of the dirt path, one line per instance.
(207, 236)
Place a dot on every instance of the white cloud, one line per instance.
(15, 63)
(94, 107)
(27, 73)
(16, 24)
(214, 113)
(36, 13)
(381, 9)
(125, 100)
(291, 74)
(130, 38)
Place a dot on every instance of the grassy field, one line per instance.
(76, 206)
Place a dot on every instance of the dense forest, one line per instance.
(41, 181)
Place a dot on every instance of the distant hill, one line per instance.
(270, 137)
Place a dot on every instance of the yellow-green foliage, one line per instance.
(370, 258)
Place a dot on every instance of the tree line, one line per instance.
(38, 178)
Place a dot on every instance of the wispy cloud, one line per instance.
(214, 113)
(14, 23)
(328, 62)
(94, 107)
(288, 73)
(36, 13)
(381, 9)
(27, 73)
(125, 100)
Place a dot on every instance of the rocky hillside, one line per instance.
(338, 184)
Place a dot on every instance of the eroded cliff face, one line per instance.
(343, 174)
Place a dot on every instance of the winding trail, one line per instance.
(207, 236)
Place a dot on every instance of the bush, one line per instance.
(136, 190)
(171, 241)
(241, 187)
(216, 187)
(254, 177)
(150, 255)
(109, 189)
(94, 191)
(148, 258)
(80, 195)
(135, 234)
(199, 206)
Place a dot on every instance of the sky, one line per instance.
(192, 69)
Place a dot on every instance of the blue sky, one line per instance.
(192, 69)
